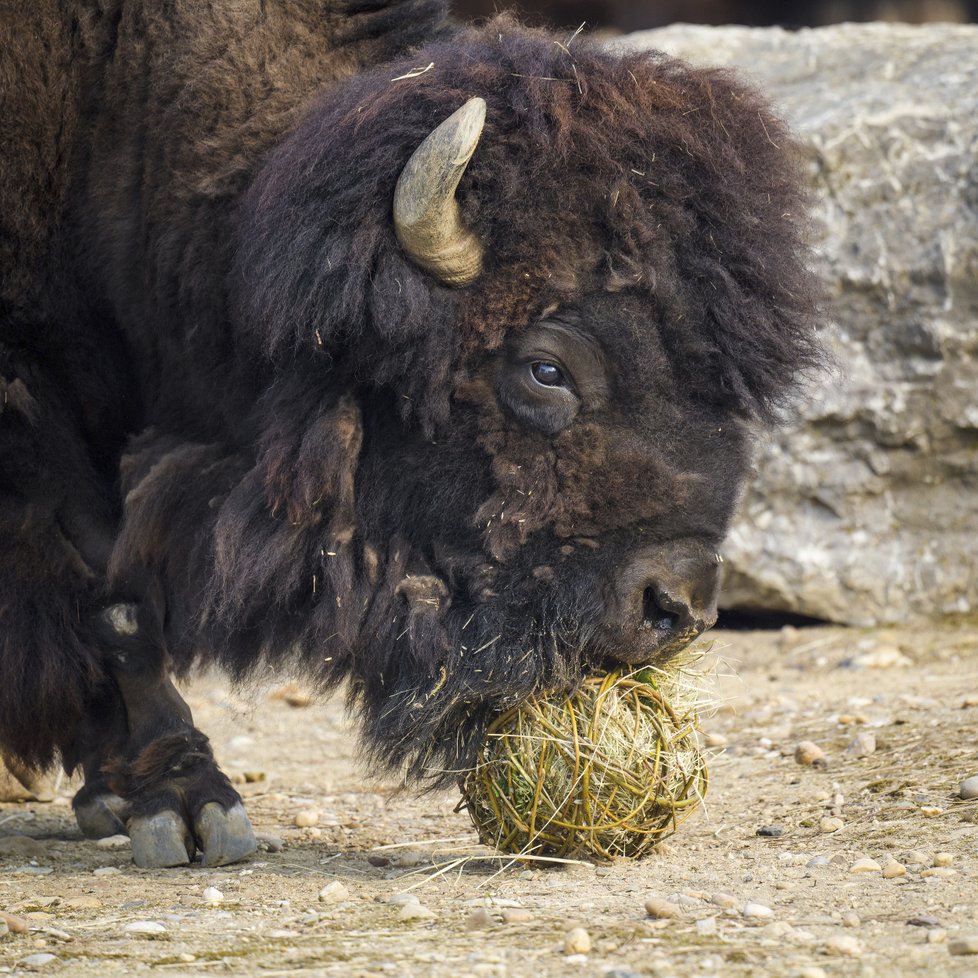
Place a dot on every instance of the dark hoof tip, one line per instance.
(224, 836)
(102, 816)
(160, 840)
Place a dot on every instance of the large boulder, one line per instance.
(864, 509)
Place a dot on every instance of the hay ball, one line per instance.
(608, 771)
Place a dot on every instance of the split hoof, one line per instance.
(224, 836)
(101, 816)
(160, 840)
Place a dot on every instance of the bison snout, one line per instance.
(663, 598)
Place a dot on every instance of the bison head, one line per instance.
(499, 443)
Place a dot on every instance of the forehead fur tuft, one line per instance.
(595, 171)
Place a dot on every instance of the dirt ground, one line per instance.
(807, 913)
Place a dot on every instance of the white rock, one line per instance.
(212, 894)
(306, 819)
(37, 960)
(865, 866)
(415, 911)
(831, 823)
(334, 892)
(113, 842)
(146, 927)
(106, 871)
(706, 927)
(756, 910)
(862, 745)
(843, 945)
(401, 899)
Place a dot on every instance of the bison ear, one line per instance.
(426, 214)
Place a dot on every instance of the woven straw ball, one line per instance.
(609, 771)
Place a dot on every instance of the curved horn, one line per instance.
(426, 215)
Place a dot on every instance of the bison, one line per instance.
(341, 340)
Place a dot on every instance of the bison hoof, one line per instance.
(164, 839)
(101, 816)
(160, 840)
(224, 836)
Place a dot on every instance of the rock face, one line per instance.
(864, 509)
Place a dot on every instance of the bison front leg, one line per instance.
(176, 798)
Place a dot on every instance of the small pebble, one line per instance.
(577, 941)
(770, 831)
(187, 957)
(843, 945)
(82, 903)
(306, 819)
(931, 811)
(884, 657)
(334, 892)
(379, 861)
(661, 909)
(918, 858)
(923, 921)
(939, 872)
(402, 899)
(113, 842)
(212, 894)
(706, 927)
(107, 871)
(516, 915)
(147, 927)
(254, 777)
(726, 901)
(270, 843)
(16, 925)
(943, 858)
(863, 744)
(479, 919)
(969, 701)
(756, 910)
(818, 861)
(865, 866)
(807, 752)
(851, 920)
(831, 823)
(891, 869)
(621, 973)
(415, 911)
(964, 945)
(37, 960)
(936, 935)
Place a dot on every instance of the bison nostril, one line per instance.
(654, 615)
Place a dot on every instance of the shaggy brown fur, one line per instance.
(230, 397)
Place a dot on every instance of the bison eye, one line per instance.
(547, 374)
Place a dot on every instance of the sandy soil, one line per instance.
(918, 694)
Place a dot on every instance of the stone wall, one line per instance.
(864, 509)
